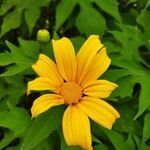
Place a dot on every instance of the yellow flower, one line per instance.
(73, 80)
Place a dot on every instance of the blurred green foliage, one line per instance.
(124, 28)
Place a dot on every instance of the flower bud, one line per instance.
(43, 36)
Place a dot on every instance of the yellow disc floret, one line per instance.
(71, 92)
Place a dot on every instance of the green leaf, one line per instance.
(145, 147)
(2, 88)
(44, 145)
(12, 19)
(100, 147)
(114, 137)
(112, 45)
(31, 16)
(115, 74)
(9, 23)
(33, 12)
(13, 89)
(13, 148)
(90, 21)
(137, 75)
(95, 139)
(42, 126)
(29, 48)
(125, 89)
(8, 137)
(16, 119)
(146, 129)
(18, 55)
(6, 59)
(117, 139)
(111, 7)
(47, 49)
(126, 123)
(77, 43)
(15, 69)
(24, 56)
(63, 10)
(130, 38)
(140, 145)
(142, 20)
(147, 4)
(144, 95)
(6, 6)
(130, 143)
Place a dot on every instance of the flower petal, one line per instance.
(46, 68)
(98, 110)
(65, 58)
(44, 102)
(86, 54)
(97, 67)
(99, 88)
(40, 84)
(76, 127)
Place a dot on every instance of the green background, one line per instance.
(123, 27)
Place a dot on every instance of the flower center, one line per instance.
(71, 92)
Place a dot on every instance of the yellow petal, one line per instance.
(86, 54)
(65, 58)
(99, 88)
(46, 68)
(40, 84)
(44, 102)
(98, 110)
(76, 128)
(103, 104)
(97, 67)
